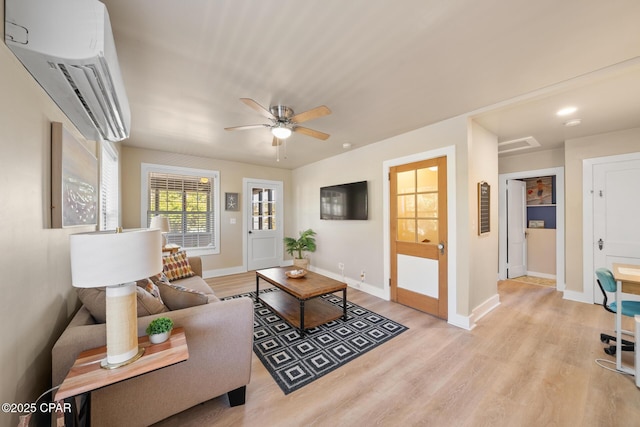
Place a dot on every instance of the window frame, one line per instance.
(109, 216)
(214, 175)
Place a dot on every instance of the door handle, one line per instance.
(250, 232)
(441, 248)
(600, 244)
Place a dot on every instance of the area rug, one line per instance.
(295, 362)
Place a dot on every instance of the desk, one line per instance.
(628, 281)
(86, 374)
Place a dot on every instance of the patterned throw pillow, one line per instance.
(176, 266)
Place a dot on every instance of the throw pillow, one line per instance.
(178, 297)
(149, 286)
(176, 266)
(95, 299)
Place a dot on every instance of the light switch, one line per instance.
(232, 220)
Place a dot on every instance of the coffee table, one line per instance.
(299, 304)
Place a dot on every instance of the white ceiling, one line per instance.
(382, 67)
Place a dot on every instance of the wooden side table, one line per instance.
(171, 248)
(86, 374)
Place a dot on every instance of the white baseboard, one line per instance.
(478, 313)
(541, 275)
(576, 296)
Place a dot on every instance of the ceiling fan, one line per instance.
(284, 121)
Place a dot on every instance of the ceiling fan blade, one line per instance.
(314, 113)
(310, 132)
(276, 142)
(246, 127)
(259, 108)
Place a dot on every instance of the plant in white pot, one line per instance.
(295, 247)
(159, 330)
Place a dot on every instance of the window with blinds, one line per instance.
(188, 201)
(109, 186)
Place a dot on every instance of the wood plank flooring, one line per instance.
(530, 362)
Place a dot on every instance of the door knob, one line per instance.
(441, 248)
(600, 244)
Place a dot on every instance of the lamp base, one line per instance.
(106, 365)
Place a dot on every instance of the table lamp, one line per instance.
(162, 223)
(116, 260)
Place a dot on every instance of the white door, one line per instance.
(264, 223)
(516, 232)
(616, 216)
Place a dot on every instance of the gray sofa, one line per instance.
(219, 337)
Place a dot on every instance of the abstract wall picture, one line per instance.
(74, 181)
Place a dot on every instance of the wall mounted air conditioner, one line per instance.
(67, 45)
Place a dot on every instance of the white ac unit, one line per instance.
(68, 47)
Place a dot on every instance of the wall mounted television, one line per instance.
(344, 201)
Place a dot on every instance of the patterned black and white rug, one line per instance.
(295, 362)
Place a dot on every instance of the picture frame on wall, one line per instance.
(231, 202)
(74, 181)
(484, 211)
(539, 190)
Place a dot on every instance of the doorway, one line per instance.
(263, 223)
(611, 211)
(559, 219)
(450, 153)
(418, 227)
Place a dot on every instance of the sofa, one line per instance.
(219, 338)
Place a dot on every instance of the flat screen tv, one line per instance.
(344, 201)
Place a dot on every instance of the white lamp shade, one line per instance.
(161, 223)
(281, 132)
(108, 258)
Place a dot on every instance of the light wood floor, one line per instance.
(530, 362)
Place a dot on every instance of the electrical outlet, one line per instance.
(341, 266)
(362, 275)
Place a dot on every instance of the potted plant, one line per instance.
(159, 330)
(295, 247)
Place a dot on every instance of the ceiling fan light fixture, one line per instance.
(281, 132)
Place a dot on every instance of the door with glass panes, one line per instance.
(264, 223)
(418, 208)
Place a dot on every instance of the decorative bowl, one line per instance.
(296, 274)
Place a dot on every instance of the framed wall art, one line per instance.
(74, 181)
(231, 202)
(484, 211)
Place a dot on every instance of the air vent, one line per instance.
(517, 144)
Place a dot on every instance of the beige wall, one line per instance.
(231, 175)
(37, 298)
(359, 244)
(483, 250)
(526, 162)
(576, 150)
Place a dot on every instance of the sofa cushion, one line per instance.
(95, 300)
(177, 297)
(176, 266)
(149, 286)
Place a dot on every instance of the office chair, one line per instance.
(607, 283)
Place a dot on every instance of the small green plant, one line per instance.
(306, 242)
(159, 326)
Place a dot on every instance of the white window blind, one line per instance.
(109, 186)
(189, 202)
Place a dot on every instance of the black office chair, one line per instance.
(607, 283)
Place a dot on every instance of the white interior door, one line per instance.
(516, 232)
(264, 223)
(616, 216)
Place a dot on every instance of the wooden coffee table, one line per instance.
(299, 304)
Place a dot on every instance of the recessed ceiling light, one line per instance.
(566, 111)
(346, 145)
(574, 122)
